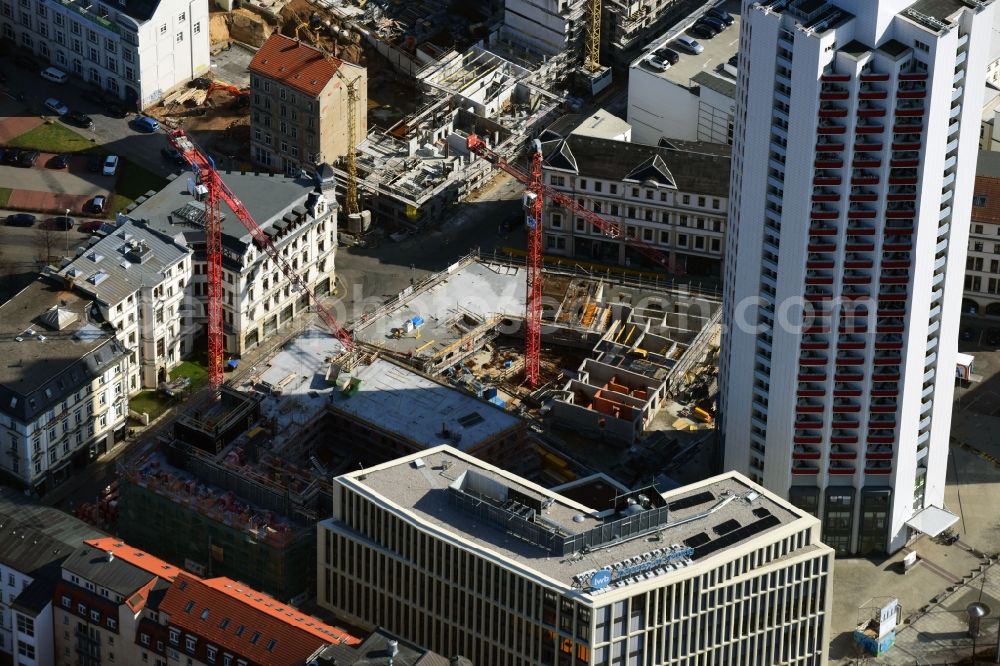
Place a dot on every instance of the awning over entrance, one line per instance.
(932, 521)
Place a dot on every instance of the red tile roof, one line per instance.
(135, 557)
(986, 194)
(295, 64)
(285, 636)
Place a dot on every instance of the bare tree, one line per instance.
(45, 241)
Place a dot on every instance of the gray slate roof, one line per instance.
(33, 537)
(116, 575)
(131, 257)
(37, 372)
(374, 651)
(719, 84)
(690, 166)
(267, 196)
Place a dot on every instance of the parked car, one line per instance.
(689, 44)
(720, 14)
(669, 55)
(54, 75)
(20, 220)
(62, 223)
(110, 167)
(59, 162)
(654, 62)
(91, 227)
(735, 60)
(702, 31)
(12, 156)
(27, 158)
(95, 163)
(712, 21)
(173, 156)
(56, 107)
(97, 204)
(145, 124)
(79, 119)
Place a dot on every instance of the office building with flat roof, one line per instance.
(466, 558)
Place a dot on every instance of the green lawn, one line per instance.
(150, 402)
(196, 372)
(52, 138)
(4, 196)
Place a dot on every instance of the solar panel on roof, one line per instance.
(761, 512)
(697, 540)
(726, 527)
(690, 501)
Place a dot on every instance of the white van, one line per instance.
(54, 75)
(689, 44)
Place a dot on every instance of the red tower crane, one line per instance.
(218, 191)
(534, 202)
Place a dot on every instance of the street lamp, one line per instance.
(66, 235)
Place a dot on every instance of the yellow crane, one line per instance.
(592, 60)
(351, 205)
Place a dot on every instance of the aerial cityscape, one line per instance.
(499, 332)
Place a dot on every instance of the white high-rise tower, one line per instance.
(853, 163)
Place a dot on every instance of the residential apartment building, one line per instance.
(298, 214)
(133, 49)
(300, 107)
(672, 198)
(34, 540)
(466, 558)
(108, 591)
(222, 622)
(63, 385)
(982, 266)
(138, 278)
(853, 172)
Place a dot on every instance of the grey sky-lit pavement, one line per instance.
(935, 594)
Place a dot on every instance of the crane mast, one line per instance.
(534, 202)
(217, 192)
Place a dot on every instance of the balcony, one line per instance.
(879, 452)
(913, 76)
(832, 111)
(838, 452)
(861, 213)
(887, 359)
(841, 467)
(826, 144)
(881, 439)
(870, 128)
(855, 229)
(812, 342)
(805, 453)
(874, 76)
(889, 328)
(823, 213)
(852, 293)
(850, 359)
(810, 392)
(820, 264)
(898, 212)
(864, 178)
(911, 94)
(885, 390)
(894, 246)
(808, 424)
(842, 391)
(848, 376)
(869, 92)
(856, 277)
(811, 359)
(884, 406)
(827, 128)
(828, 161)
(859, 194)
(807, 438)
(804, 468)
(826, 177)
(854, 246)
(819, 279)
(841, 406)
(864, 144)
(824, 194)
(888, 374)
(815, 294)
(822, 247)
(843, 437)
(856, 261)
(896, 260)
(852, 343)
(833, 94)
(812, 377)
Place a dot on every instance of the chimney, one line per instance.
(393, 650)
(109, 556)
